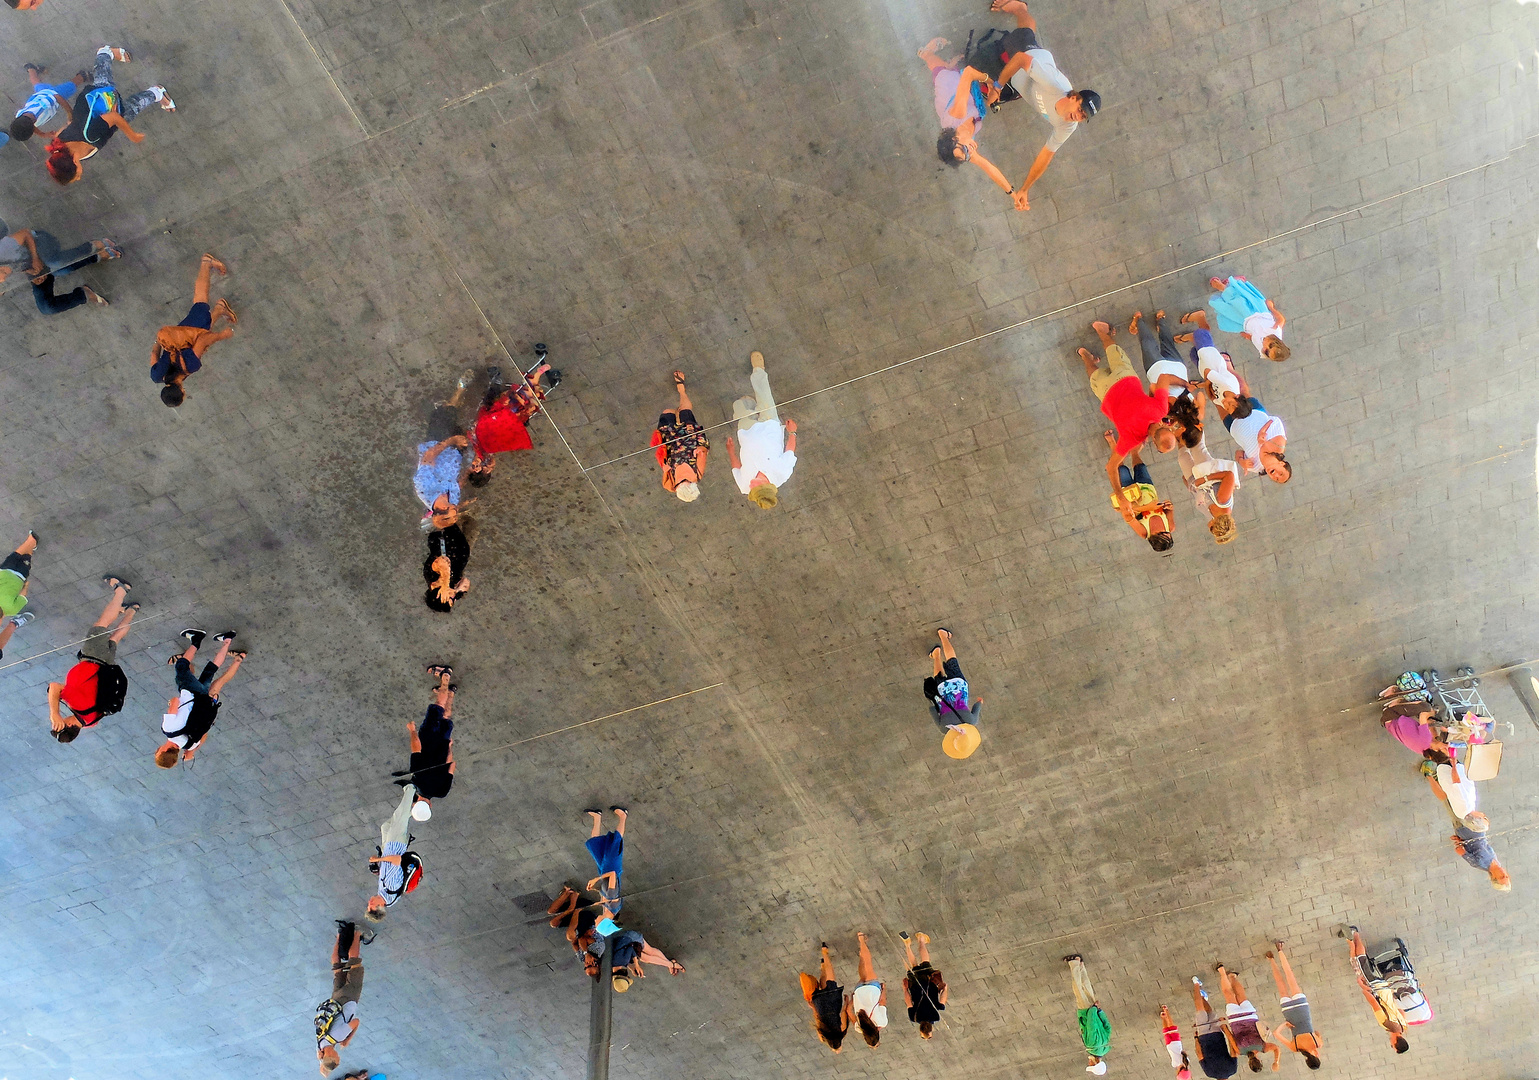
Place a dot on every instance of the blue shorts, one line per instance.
(608, 852)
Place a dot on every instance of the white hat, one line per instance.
(1099, 1068)
(687, 491)
(421, 810)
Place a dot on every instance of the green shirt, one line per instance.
(11, 600)
(1095, 1030)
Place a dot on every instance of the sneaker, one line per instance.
(122, 56)
(228, 635)
(194, 636)
(23, 619)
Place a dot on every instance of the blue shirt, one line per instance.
(45, 101)
(442, 477)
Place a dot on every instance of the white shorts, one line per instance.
(1209, 474)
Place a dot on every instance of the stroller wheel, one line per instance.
(1467, 672)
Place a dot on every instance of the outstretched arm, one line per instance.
(1282, 319)
(1038, 167)
(1116, 481)
(992, 172)
(112, 117)
(55, 721)
(454, 440)
(732, 458)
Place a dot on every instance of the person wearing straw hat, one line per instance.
(946, 691)
(431, 768)
(769, 448)
(681, 445)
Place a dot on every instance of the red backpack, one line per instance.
(93, 690)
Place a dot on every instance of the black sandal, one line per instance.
(440, 670)
(112, 581)
(621, 809)
(594, 810)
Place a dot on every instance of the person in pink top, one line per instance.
(1135, 412)
(1410, 722)
(958, 142)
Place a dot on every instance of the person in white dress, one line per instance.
(768, 447)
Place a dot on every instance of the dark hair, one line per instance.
(70, 731)
(1242, 407)
(1401, 1046)
(1286, 466)
(23, 126)
(833, 1037)
(1437, 756)
(1162, 541)
(1310, 1060)
(14, 3)
(925, 1027)
(1253, 1060)
(172, 395)
(1091, 102)
(868, 1028)
(478, 477)
(62, 165)
(430, 597)
(946, 146)
(1183, 410)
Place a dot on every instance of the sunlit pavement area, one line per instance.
(1181, 760)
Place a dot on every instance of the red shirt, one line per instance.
(499, 429)
(80, 692)
(1133, 411)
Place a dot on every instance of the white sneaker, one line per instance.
(122, 56)
(23, 618)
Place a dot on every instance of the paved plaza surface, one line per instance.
(1180, 761)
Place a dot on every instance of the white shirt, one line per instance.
(763, 449)
(176, 721)
(1249, 432)
(1258, 327)
(1210, 362)
(866, 996)
(1043, 84)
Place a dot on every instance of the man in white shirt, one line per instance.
(1030, 70)
(769, 449)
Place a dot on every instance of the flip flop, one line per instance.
(678, 378)
(440, 670)
(1188, 316)
(112, 581)
(620, 809)
(594, 810)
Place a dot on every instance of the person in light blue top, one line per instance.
(47, 110)
(441, 458)
(1242, 309)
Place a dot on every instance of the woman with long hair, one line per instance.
(869, 1001)
(830, 1010)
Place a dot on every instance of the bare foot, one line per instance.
(1133, 326)
(1101, 327)
(1111, 440)
(934, 47)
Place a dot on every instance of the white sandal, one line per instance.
(162, 97)
(121, 56)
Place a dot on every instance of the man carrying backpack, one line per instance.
(95, 687)
(431, 768)
(339, 1012)
(1018, 60)
(399, 870)
(192, 712)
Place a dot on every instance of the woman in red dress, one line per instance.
(502, 422)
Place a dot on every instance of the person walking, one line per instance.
(46, 110)
(1019, 60)
(1297, 1031)
(924, 988)
(95, 686)
(190, 715)
(958, 142)
(1376, 990)
(99, 111)
(1214, 1053)
(448, 556)
(1469, 840)
(394, 864)
(1246, 1030)
(502, 422)
(37, 253)
(339, 1012)
(1141, 507)
(1242, 309)
(1158, 352)
(680, 444)
(631, 950)
(608, 851)
(1094, 1027)
(1410, 722)
(178, 350)
(1172, 1036)
(769, 448)
(431, 769)
(868, 1002)
(1211, 481)
(441, 459)
(16, 576)
(948, 700)
(1214, 367)
(1135, 413)
(830, 1011)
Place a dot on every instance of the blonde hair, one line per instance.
(1222, 528)
(765, 496)
(1280, 351)
(167, 756)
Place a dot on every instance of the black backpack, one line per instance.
(111, 689)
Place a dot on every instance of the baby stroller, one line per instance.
(1393, 965)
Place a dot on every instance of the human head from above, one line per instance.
(480, 473)
(172, 395)
(1272, 348)
(1401, 1046)
(168, 755)
(62, 165)
(1253, 1061)
(1079, 105)
(1310, 1060)
(69, 731)
(1162, 541)
(1164, 437)
(926, 1030)
(23, 126)
(376, 909)
(762, 493)
(1276, 466)
(954, 150)
(1222, 527)
(329, 1059)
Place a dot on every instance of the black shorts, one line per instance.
(443, 424)
(673, 419)
(992, 58)
(20, 564)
